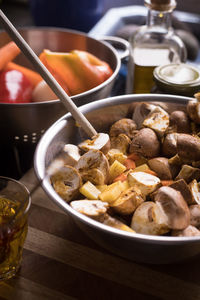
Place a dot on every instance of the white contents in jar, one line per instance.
(180, 74)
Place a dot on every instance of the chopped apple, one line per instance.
(112, 192)
(116, 169)
(90, 191)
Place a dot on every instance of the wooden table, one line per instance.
(61, 262)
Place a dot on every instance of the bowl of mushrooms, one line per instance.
(134, 188)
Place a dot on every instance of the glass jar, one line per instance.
(152, 45)
(178, 79)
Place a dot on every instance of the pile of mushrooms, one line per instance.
(143, 176)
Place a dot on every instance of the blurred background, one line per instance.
(76, 14)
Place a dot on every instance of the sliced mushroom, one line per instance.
(181, 186)
(180, 122)
(169, 145)
(188, 231)
(127, 202)
(126, 126)
(195, 191)
(188, 147)
(149, 219)
(121, 142)
(145, 182)
(141, 111)
(113, 222)
(195, 215)
(94, 209)
(101, 141)
(161, 166)
(67, 182)
(145, 143)
(72, 154)
(92, 165)
(157, 120)
(174, 206)
(193, 110)
(188, 173)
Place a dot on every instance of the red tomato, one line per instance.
(14, 87)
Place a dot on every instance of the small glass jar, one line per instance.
(178, 79)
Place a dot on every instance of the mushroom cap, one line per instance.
(145, 143)
(101, 141)
(161, 166)
(66, 182)
(125, 125)
(174, 206)
(93, 159)
(188, 147)
(121, 142)
(169, 145)
(180, 122)
(149, 219)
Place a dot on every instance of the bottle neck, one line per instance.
(159, 19)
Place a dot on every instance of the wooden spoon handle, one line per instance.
(46, 75)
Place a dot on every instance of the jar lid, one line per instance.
(161, 5)
(179, 78)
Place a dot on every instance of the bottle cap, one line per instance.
(180, 79)
(161, 5)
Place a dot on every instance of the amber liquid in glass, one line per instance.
(12, 237)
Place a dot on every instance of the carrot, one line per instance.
(33, 76)
(166, 182)
(129, 164)
(122, 177)
(151, 172)
(133, 156)
(7, 53)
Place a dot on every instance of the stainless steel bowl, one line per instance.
(140, 248)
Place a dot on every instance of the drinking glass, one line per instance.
(14, 206)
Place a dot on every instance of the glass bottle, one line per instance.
(152, 45)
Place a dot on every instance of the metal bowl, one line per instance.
(139, 247)
(21, 125)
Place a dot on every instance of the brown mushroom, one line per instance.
(181, 186)
(169, 145)
(193, 110)
(125, 125)
(158, 120)
(195, 191)
(161, 166)
(121, 142)
(101, 141)
(149, 219)
(145, 143)
(174, 206)
(188, 173)
(141, 111)
(72, 154)
(94, 209)
(180, 122)
(93, 162)
(188, 147)
(188, 231)
(128, 201)
(66, 182)
(195, 215)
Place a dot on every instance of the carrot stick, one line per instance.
(122, 177)
(33, 77)
(166, 182)
(7, 53)
(129, 164)
(134, 156)
(151, 172)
